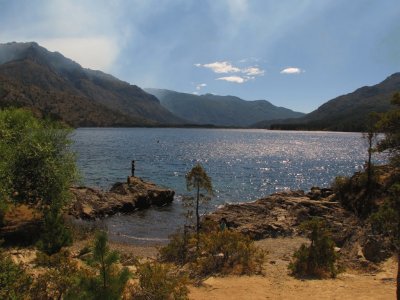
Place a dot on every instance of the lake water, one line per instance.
(244, 165)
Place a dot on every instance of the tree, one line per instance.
(387, 221)
(198, 179)
(319, 258)
(387, 218)
(110, 282)
(371, 137)
(36, 164)
(389, 124)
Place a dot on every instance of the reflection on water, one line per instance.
(244, 165)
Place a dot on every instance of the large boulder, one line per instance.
(280, 214)
(89, 203)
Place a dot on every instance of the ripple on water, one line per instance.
(244, 165)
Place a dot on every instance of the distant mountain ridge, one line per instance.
(344, 113)
(219, 110)
(31, 76)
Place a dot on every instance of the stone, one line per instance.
(280, 214)
(90, 203)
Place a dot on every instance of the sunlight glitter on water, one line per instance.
(244, 164)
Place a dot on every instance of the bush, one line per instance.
(320, 257)
(158, 282)
(61, 278)
(109, 281)
(177, 249)
(55, 235)
(341, 185)
(220, 252)
(228, 252)
(14, 282)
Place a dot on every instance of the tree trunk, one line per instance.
(398, 275)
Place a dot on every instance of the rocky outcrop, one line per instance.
(281, 214)
(89, 203)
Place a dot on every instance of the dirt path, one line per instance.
(277, 284)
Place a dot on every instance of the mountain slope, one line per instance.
(53, 84)
(220, 110)
(347, 112)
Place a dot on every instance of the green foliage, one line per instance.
(220, 252)
(39, 167)
(386, 220)
(320, 257)
(198, 179)
(55, 235)
(356, 194)
(14, 282)
(110, 281)
(341, 184)
(158, 282)
(177, 249)
(36, 167)
(227, 252)
(389, 124)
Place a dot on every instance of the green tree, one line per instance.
(36, 164)
(371, 137)
(110, 281)
(387, 218)
(319, 258)
(56, 235)
(387, 221)
(389, 124)
(198, 179)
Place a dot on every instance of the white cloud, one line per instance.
(200, 86)
(253, 71)
(225, 67)
(220, 67)
(97, 53)
(235, 79)
(292, 70)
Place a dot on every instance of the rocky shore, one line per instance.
(280, 214)
(89, 203)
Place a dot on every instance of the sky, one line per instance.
(294, 53)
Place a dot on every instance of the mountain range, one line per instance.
(31, 76)
(220, 110)
(57, 87)
(348, 112)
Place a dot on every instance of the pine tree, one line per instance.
(198, 179)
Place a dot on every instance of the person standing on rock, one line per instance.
(133, 168)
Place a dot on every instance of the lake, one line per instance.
(244, 165)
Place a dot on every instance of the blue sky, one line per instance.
(294, 53)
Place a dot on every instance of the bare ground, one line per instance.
(278, 284)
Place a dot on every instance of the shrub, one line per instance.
(55, 235)
(341, 185)
(14, 282)
(61, 278)
(177, 249)
(227, 252)
(220, 252)
(319, 258)
(109, 281)
(158, 282)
